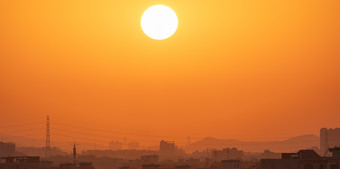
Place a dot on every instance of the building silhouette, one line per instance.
(34, 162)
(304, 159)
(335, 152)
(225, 164)
(167, 150)
(230, 164)
(7, 149)
(182, 167)
(151, 166)
(115, 145)
(133, 145)
(149, 159)
(24, 162)
(227, 154)
(329, 138)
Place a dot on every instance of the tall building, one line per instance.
(329, 138)
(188, 141)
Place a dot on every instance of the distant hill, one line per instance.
(290, 145)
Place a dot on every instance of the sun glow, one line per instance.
(159, 22)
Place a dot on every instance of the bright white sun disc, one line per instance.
(159, 22)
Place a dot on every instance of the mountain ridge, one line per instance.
(300, 142)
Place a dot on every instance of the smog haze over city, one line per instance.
(169, 84)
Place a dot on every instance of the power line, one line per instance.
(122, 133)
(88, 134)
(15, 130)
(108, 131)
(21, 125)
(162, 136)
(81, 138)
(21, 130)
(26, 135)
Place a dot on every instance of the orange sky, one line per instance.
(250, 70)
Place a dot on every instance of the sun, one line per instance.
(159, 22)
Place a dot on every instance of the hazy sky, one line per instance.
(242, 69)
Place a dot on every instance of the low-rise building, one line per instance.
(7, 149)
(33, 162)
(150, 159)
(151, 166)
(230, 164)
(24, 162)
(182, 167)
(227, 154)
(304, 159)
